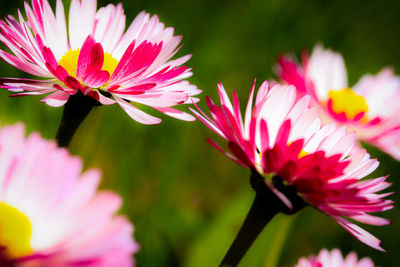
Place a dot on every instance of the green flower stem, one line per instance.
(254, 223)
(265, 206)
(75, 111)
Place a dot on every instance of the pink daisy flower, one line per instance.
(51, 214)
(371, 108)
(97, 57)
(281, 137)
(334, 259)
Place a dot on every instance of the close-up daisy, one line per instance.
(371, 107)
(51, 212)
(93, 54)
(283, 141)
(334, 258)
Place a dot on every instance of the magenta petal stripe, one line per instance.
(57, 222)
(281, 137)
(334, 258)
(371, 107)
(93, 53)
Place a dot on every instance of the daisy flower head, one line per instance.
(371, 107)
(96, 56)
(334, 258)
(280, 137)
(51, 212)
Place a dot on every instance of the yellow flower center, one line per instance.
(70, 62)
(347, 101)
(110, 63)
(15, 231)
(302, 154)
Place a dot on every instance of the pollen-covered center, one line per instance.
(302, 154)
(348, 101)
(15, 231)
(70, 62)
(110, 63)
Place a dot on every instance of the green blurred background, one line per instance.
(186, 200)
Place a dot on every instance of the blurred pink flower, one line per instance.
(371, 108)
(334, 259)
(51, 214)
(281, 137)
(97, 57)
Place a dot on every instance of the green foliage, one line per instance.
(207, 250)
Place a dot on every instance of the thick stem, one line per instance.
(265, 206)
(75, 111)
(256, 220)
